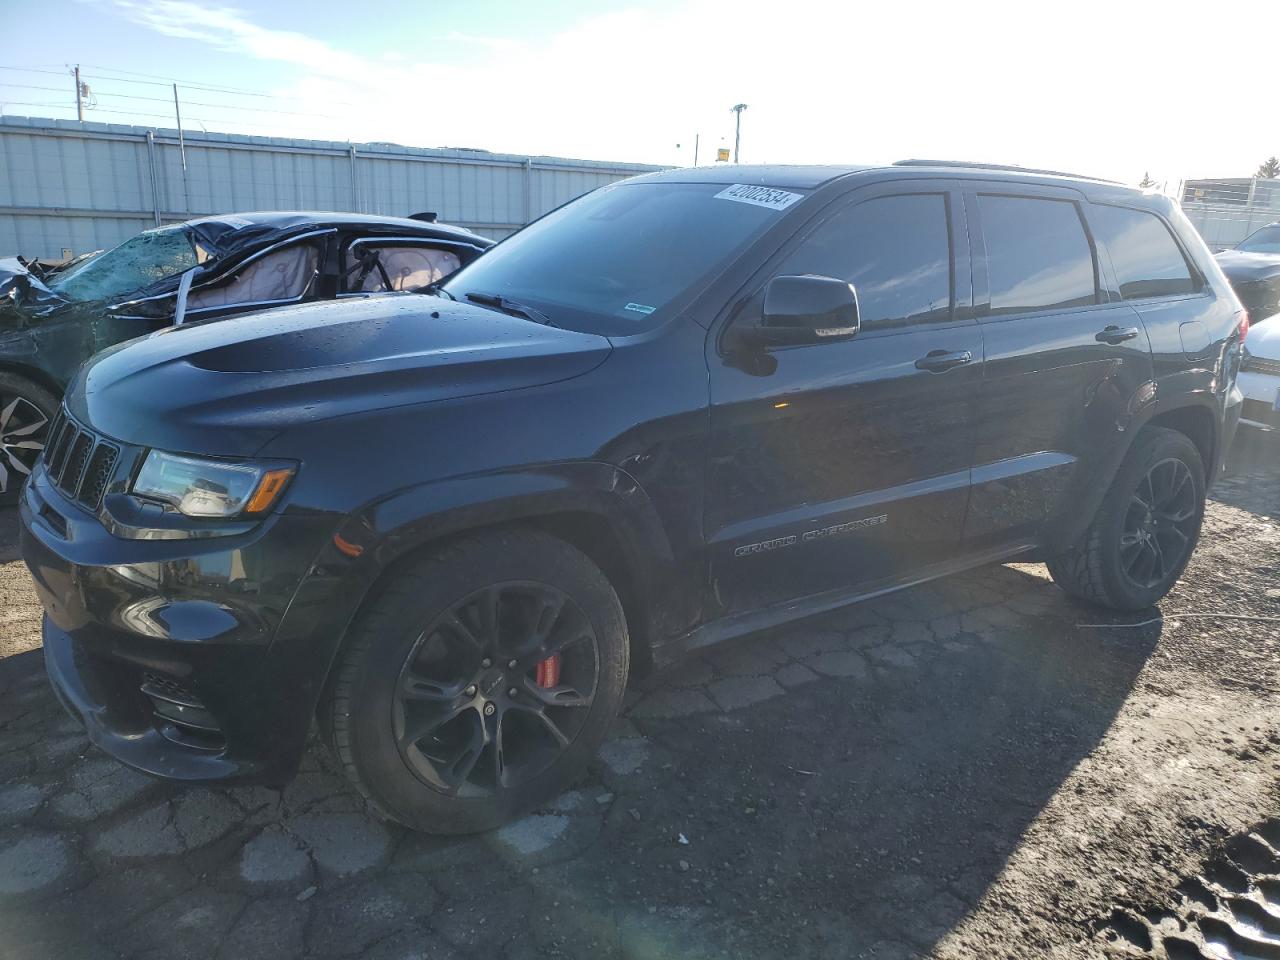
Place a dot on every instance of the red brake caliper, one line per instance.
(549, 672)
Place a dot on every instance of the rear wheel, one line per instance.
(26, 410)
(1145, 530)
(479, 682)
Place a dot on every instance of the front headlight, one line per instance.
(210, 488)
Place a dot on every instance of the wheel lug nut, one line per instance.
(486, 662)
(511, 665)
(512, 692)
(489, 709)
(470, 691)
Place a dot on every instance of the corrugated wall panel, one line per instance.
(65, 185)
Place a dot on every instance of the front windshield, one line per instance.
(1266, 240)
(609, 261)
(136, 263)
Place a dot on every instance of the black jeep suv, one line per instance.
(679, 409)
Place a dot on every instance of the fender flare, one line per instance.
(372, 539)
(1090, 494)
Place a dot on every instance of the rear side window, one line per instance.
(1146, 258)
(376, 267)
(1038, 255)
(896, 251)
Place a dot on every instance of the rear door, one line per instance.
(840, 465)
(1152, 273)
(1063, 359)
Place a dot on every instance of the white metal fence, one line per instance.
(1228, 210)
(68, 187)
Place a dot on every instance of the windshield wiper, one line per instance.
(511, 306)
(436, 288)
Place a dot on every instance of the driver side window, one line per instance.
(278, 277)
(895, 250)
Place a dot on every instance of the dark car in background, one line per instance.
(677, 410)
(1253, 267)
(52, 318)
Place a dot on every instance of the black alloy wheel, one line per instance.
(1160, 524)
(478, 680)
(1145, 529)
(495, 688)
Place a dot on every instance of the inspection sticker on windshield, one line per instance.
(770, 197)
(639, 308)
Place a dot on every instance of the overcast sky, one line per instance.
(1113, 89)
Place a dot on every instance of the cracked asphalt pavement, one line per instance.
(974, 768)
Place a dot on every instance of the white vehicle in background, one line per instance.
(1259, 379)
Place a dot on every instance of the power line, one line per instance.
(192, 84)
(194, 103)
(234, 121)
(198, 85)
(159, 81)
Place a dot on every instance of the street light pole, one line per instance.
(737, 128)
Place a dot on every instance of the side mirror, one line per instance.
(808, 309)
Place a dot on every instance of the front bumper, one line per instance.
(196, 660)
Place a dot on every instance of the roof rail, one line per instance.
(1013, 168)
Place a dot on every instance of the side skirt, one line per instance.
(727, 628)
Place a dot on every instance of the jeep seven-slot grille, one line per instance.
(79, 461)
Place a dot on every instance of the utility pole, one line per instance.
(696, 137)
(737, 128)
(182, 149)
(79, 98)
(177, 113)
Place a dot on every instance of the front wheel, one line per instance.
(1145, 530)
(478, 682)
(26, 410)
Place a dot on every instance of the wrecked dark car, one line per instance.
(1253, 267)
(53, 317)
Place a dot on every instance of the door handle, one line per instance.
(936, 361)
(1114, 334)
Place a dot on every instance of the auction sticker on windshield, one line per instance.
(759, 196)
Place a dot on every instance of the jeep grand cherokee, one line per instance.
(679, 409)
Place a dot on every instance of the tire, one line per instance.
(405, 711)
(24, 405)
(1115, 567)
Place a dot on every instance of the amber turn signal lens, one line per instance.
(269, 489)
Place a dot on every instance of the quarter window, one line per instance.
(896, 251)
(1038, 255)
(1146, 258)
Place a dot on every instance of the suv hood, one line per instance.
(1239, 265)
(228, 386)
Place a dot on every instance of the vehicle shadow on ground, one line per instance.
(1248, 481)
(847, 787)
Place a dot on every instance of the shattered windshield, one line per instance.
(136, 263)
